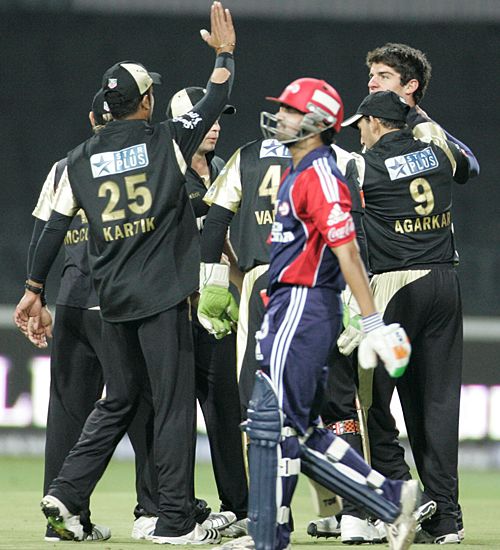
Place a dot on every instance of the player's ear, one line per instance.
(411, 86)
(146, 101)
(92, 119)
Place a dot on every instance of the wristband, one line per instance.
(225, 60)
(33, 288)
(371, 322)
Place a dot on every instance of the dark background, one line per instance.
(51, 65)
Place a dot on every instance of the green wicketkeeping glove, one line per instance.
(217, 308)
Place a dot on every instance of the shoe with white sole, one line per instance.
(423, 537)
(425, 511)
(380, 526)
(219, 520)
(355, 530)
(67, 526)
(237, 529)
(401, 532)
(324, 527)
(199, 535)
(144, 527)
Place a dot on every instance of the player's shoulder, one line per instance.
(270, 149)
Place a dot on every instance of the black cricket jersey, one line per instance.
(408, 193)
(248, 185)
(197, 187)
(130, 181)
(75, 288)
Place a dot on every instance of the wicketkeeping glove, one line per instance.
(217, 308)
(389, 342)
(352, 335)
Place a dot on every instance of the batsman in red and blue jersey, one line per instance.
(313, 254)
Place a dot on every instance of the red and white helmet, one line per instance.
(311, 95)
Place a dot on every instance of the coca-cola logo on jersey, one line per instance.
(341, 232)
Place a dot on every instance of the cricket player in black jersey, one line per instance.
(129, 179)
(215, 359)
(76, 378)
(408, 180)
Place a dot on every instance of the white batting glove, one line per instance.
(389, 342)
(352, 335)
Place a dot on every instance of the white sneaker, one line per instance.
(425, 511)
(423, 537)
(381, 530)
(199, 535)
(144, 527)
(450, 538)
(237, 529)
(62, 525)
(401, 533)
(99, 533)
(358, 531)
(324, 527)
(66, 525)
(219, 520)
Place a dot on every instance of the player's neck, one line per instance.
(303, 147)
(199, 164)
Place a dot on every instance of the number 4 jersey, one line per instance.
(408, 196)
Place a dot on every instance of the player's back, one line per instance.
(130, 183)
(407, 189)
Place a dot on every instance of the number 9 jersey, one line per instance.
(408, 198)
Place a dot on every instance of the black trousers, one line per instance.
(154, 353)
(429, 308)
(217, 393)
(76, 383)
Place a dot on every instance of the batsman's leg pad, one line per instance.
(263, 428)
(339, 479)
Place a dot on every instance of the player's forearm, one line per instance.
(214, 233)
(35, 236)
(355, 276)
(48, 246)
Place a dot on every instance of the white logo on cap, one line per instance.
(112, 83)
(293, 88)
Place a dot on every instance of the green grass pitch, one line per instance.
(22, 524)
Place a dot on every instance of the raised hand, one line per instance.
(222, 36)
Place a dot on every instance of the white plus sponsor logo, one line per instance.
(273, 148)
(404, 166)
(116, 162)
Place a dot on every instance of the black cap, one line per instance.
(128, 80)
(184, 100)
(100, 109)
(387, 105)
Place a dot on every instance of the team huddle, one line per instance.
(289, 292)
